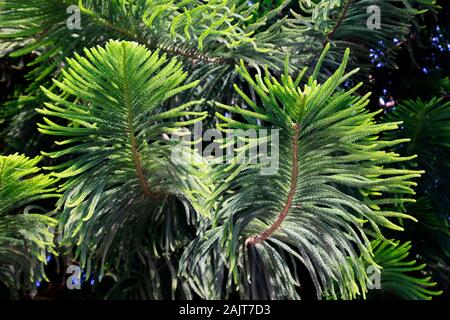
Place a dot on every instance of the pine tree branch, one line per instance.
(294, 179)
(191, 54)
(342, 16)
(134, 148)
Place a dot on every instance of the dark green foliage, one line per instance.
(399, 277)
(427, 124)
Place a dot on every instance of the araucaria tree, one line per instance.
(298, 187)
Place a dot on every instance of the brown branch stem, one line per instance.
(134, 147)
(341, 18)
(290, 198)
(191, 54)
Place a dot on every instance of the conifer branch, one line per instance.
(292, 191)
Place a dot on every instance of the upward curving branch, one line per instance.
(109, 101)
(333, 139)
(292, 190)
(131, 129)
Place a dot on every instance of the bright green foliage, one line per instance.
(25, 236)
(323, 205)
(213, 33)
(400, 277)
(213, 36)
(123, 190)
(165, 222)
(210, 37)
